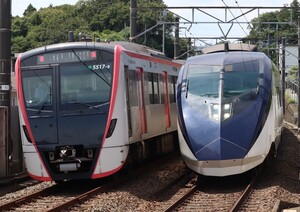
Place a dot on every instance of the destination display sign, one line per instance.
(67, 56)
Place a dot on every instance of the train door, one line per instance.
(166, 99)
(128, 102)
(39, 95)
(141, 100)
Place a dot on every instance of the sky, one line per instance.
(189, 30)
(19, 6)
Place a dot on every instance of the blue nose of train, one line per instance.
(223, 140)
(220, 149)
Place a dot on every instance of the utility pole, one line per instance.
(283, 74)
(164, 14)
(298, 120)
(5, 56)
(5, 52)
(189, 46)
(133, 19)
(176, 38)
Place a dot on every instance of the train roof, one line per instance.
(109, 46)
(225, 47)
(221, 58)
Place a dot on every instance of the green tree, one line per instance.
(107, 19)
(29, 10)
(293, 74)
(267, 29)
(262, 29)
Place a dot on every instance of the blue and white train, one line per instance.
(230, 112)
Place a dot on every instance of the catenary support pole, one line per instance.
(133, 19)
(5, 65)
(298, 103)
(283, 74)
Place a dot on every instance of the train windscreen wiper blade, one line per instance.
(44, 102)
(187, 88)
(85, 104)
(104, 79)
(100, 105)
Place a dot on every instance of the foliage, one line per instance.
(292, 74)
(270, 27)
(30, 9)
(291, 101)
(104, 19)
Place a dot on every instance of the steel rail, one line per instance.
(89, 194)
(27, 198)
(184, 197)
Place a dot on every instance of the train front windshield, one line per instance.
(233, 79)
(81, 87)
(73, 83)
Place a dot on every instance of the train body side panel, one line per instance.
(34, 165)
(155, 113)
(116, 144)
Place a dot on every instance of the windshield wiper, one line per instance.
(91, 106)
(210, 94)
(84, 104)
(187, 89)
(100, 105)
(43, 103)
(104, 79)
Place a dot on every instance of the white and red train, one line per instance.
(86, 108)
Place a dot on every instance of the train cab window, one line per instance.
(37, 88)
(203, 80)
(80, 87)
(240, 78)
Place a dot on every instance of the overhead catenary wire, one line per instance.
(244, 15)
(244, 62)
(234, 17)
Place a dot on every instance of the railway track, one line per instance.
(15, 183)
(184, 191)
(61, 197)
(198, 198)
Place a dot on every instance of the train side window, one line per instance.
(128, 90)
(153, 82)
(141, 97)
(156, 89)
(150, 88)
(162, 89)
(132, 88)
(277, 83)
(172, 88)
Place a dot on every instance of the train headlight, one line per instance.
(227, 107)
(226, 113)
(216, 116)
(215, 107)
(111, 128)
(215, 113)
